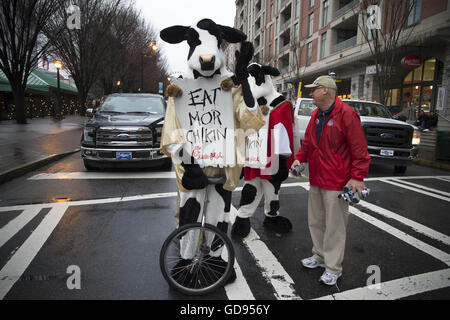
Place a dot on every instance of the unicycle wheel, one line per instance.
(197, 260)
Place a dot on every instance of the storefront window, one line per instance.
(428, 74)
(418, 87)
(427, 92)
(394, 97)
(393, 101)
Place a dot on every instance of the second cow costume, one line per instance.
(265, 180)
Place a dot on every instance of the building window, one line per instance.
(296, 33)
(325, 13)
(271, 12)
(309, 54)
(270, 32)
(323, 43)
(311, 3)
(311, 24)
(419, 89)
(297, 9)
(416, 10)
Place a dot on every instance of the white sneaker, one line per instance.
(329, 278)
(312, 263)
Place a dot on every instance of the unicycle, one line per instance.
(197, 258)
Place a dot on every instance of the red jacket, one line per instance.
(342, 151)
(282, 113)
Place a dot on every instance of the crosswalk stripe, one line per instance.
(171, 175)
(15, 225)
(104, 175)
(412, 224)
(422, 246)
(239, 289)
(416, 190)
(436, 253)
(415, 185)
(18, 263)
(271, 268)
(396, 289)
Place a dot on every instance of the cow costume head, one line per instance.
(205, 57)
(261, 84)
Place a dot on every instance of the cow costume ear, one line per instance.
(232, 35)
(174, 34)
(271, 71)
(256, 71)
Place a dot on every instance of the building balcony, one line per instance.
(344, 44)
(345, 8)
(284, 48)
(283, 3)
(285, 25)
(284, 69)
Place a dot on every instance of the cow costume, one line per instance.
(205, 60)
(266, 168)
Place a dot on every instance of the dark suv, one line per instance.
(125, 131)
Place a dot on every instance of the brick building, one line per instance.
(308, 38)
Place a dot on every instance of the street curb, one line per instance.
(28, 167)
(427, 163)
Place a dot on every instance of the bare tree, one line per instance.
(385, 40)
(297, 54)
(22, 44)
(83, 50)
(130, 58)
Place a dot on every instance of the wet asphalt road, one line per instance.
(115, 241)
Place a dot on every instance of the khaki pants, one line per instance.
(327, 221)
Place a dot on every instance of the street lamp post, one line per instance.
(58, 65)
(144, 54)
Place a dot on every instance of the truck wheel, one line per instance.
(400, 169)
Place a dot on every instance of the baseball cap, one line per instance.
(324, 81)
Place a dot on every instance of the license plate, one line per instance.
(123, 155)
(387, 153)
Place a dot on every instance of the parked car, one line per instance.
(125, 131)
(389, 141)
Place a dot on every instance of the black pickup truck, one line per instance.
(125, 131)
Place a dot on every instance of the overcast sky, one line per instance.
(165, 13)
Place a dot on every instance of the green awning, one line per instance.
(39, 82)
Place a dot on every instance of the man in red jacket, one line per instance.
(335, 149)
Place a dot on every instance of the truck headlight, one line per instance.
(416, 137)
(88, 134)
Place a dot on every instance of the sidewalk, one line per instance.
(27, 147)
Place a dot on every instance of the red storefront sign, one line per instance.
(411, 62)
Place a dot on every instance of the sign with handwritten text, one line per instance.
(256, 148)
(206, 116)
